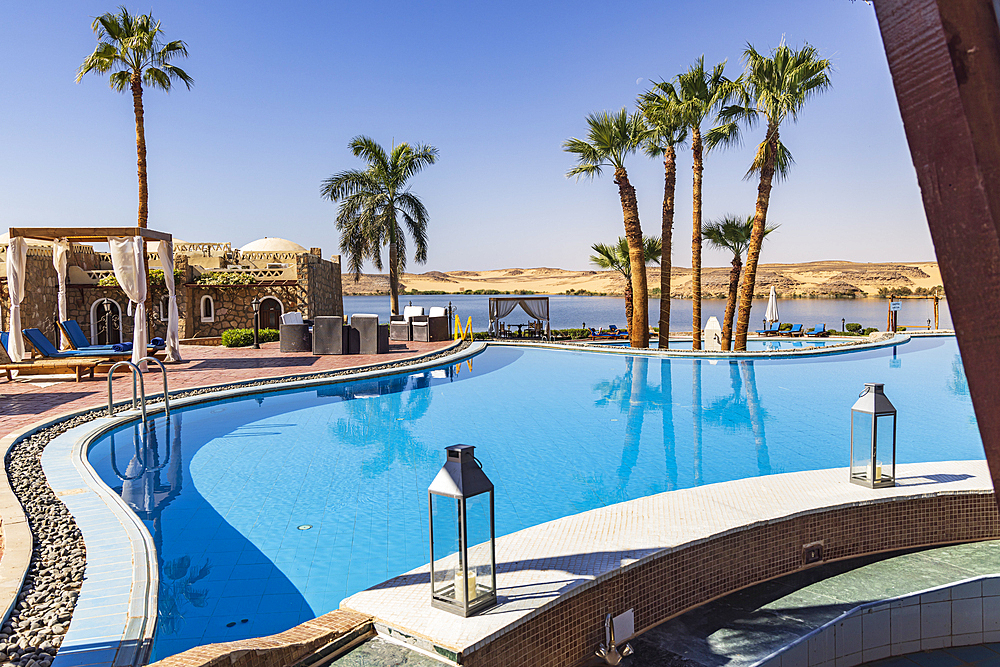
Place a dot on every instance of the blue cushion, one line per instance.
(75, 333)
(40, 342)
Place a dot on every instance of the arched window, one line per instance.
(207, 309)
(164, 308)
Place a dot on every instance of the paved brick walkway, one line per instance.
(26, 401)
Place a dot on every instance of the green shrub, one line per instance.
(853, 326)
(787, 326)
(244, 337)
(900, 328)
(226, 278)
(155, 278)
(869, 330)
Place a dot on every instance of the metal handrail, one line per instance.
(135, 373)
(166, 395)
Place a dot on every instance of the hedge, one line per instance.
(244, 337)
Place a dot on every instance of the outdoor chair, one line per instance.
(400, 326)
(428, 328)
(796, 330)
(771, 330)
(79, 366)
(373, 338)
(622, 333)
(818, 331)
(601, 334)
(43, 347)
(78, 341)
(293, 334)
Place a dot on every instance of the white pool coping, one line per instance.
(558, 559)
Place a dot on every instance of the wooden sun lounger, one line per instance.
(80, 366)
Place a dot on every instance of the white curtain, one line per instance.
(59, 250)
(166, 253)
(128, 260)
(499, 309)
(537, 308)
(17, 257)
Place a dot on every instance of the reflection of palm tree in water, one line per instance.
(628, 392)
(741, 408)
(696, 421)
(667, 415)
(378, 415)
(148, 494)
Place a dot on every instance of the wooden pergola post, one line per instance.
(944, 56)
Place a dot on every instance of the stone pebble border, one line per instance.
(44, 560)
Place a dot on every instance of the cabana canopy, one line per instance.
(534, 306)
(128, 258)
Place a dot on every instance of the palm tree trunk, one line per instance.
(394, 277)
(639, 329)
(140, 148)
(667, 233)
(628, 303)
(696, 241)
(756, 239)
(734, 285)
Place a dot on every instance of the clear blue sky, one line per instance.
(280, 89)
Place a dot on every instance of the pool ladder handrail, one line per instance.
(137, 373)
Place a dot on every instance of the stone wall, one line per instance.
(316, 291)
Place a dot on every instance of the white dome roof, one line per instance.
(272, 244)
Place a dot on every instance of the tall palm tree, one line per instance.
(610, 139)
(731, 233)
(373, 200)
(616, 258)
(695, 95)
(772, 89)
(666, 133)
(131, 49)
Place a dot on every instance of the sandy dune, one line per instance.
(819, 279)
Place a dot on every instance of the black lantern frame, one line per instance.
(463, 581)
(873, 423)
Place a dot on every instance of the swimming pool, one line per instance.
(773, 344)
(270, 509)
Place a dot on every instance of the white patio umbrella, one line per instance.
(771, 315)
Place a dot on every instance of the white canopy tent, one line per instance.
(128, 257)
(534, 306)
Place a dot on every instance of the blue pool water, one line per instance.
(269, 510)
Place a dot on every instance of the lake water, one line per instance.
(600, 311)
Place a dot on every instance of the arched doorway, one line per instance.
(270, 313)
(105, 322)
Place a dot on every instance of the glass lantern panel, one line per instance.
(444, 518)
(481, 567)
(861, 445)
(883, 445)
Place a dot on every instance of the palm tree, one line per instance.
(373, 200)
(610, 139)
(731, 233)
(616, 258)
(666, 133)
(131, 49)
(694, 95)
(772, 89)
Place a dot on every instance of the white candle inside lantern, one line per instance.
(470, 582)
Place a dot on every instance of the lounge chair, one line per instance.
(796, 330)
(770, 331)
(603, 335)
(79, 366)
(818, 331)
(78, 341)
(619, 333)
(43, 347)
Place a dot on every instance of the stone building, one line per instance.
(283, 275)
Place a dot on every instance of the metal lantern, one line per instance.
(873, 439)
(463, 539)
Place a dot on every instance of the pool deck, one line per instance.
(42, 397)
(546, 564)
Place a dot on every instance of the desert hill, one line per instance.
(829, 279)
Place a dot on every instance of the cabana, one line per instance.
(128, 259)
(534, 306)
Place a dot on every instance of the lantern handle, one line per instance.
(478, 462)
(864, 391)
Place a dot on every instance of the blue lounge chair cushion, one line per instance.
(816, 330)
(796, 328)
(76, 336)
(770, 329)
(47, 349)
